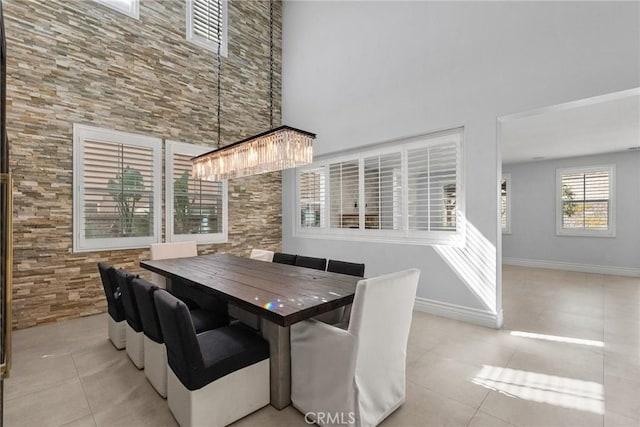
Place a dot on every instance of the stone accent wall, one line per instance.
(81, 62)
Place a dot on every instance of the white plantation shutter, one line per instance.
(312, 197)
(195, 209)
(505, 203)
(585, 200)
(432, 175)
(117, 179)
(407, 191)
(206, 23)
(345, 194)
(128, 7)
(383, 191)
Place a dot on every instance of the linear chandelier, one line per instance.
(280, 148)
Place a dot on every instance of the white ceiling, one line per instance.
(599, 125)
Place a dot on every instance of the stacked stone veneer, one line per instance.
(81, 62)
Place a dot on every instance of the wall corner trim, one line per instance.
(458, 312)
(568, 266)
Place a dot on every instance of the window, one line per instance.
(505, 203)
(585, 204)
(195, 209)
(344, 187)
(207, 24)
(408, 191)
(128, 7)
(117, 196)
(312, 198)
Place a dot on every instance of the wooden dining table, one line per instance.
(279, 294)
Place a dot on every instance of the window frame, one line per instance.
(403, 235)
(507, 178)
(176, 147)
(611, 230)
(81, 133)
(201, 41)
(132, 11)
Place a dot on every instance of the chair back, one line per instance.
(183, 351)
(129, 304)
(111, 291)
(143, 291)
(170, 251)
(380, 321)
(343, 267)
(282, 258)
(311, 262)
(261, 255)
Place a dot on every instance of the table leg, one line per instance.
(280, 359)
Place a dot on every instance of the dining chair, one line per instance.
(311, 262)
(358, 373)
(133, 331)
(215, 377)
(169, 251)
(250, 319)
(155, 352)
(261, 255)
(282, 258)
(116, 320)
(343, 267)
(341, 315)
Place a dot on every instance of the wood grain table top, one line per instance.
(283, 294)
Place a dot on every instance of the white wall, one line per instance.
(533, 218)
(358, 73)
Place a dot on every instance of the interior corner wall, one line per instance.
(533, 236)
(358, 73)
(82, 62)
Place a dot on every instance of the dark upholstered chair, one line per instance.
(216, 377)
(134, 333)
(281, 258)
(350, 268)
(117, 323)
(341, 315)
(155, 353)
(311, 262)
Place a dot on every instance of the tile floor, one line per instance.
(582, 369)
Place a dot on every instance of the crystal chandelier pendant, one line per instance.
(281, 148)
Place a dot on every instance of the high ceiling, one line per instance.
(600, 125)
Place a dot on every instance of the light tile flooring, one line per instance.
(580, 367)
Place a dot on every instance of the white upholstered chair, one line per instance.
(356, 376)
(261, 255)
(244, 316)
(169, 251)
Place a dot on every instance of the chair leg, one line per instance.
(117, 333)
(155, 365)
(135, 347)
(221, 402)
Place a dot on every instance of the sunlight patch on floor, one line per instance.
(555, 338)
(533, 386)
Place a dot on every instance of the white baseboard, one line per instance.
(458, 312)
(568, 266)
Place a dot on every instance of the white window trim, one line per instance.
(133, 10)
(507, 178)
(404, 235)
(175, 147)
(611, 231)
(207, 44)
(82, 133)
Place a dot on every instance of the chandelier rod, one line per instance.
(219, 142)
(270, 63)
